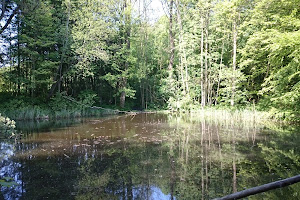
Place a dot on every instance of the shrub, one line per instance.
(7, 126)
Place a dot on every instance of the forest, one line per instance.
(209, 92)
(234, 54)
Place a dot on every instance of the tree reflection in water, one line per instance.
(151, 156)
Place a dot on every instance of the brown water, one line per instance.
(148, 156)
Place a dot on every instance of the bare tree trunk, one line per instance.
(11, 63)
(32, 82)
(234, 40)
(19, 59)
(150, 94)
(172, 43)
(59, 77)
(127, 41)
(182, 53)
(203, 100)
(123, 94)
(219, 76)
(147, 96)
(142, 95)
(206, 58)
(209, 91)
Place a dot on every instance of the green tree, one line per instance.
(36, 43)
(270, 56)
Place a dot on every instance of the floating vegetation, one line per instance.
(7, 182)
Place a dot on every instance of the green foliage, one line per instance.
(24, 108)
(180, 104)
(271, 57)
(7, 128)
(58, 107)
(231, 52)
(90, 32)
(28, 113)
(87, 98)
(58, 102)
(37, 40)
(229, 79)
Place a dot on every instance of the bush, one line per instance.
(7, 126)
(87, 98)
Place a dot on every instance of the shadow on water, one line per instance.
(149, 156)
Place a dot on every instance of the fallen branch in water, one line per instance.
(262, 188)
(95, 107)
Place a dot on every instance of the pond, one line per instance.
(149, 156)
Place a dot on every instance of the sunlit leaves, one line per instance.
(7, 127)
(90, 31)
(271, 55)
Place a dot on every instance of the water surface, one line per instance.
(149, 156)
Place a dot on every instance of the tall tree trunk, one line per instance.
(150, 94)
(219, 75)
(182, 52)
(206, 60)
(33, 84)
(59, 77)
(19, 59)
(172, 43)
(142, 94)
(201, 64)
(234, 40)
(147, 95)
(123, 94)
(127, 16)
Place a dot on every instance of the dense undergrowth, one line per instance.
(61, 106)
(58, 107)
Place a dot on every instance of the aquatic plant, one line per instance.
(7, 182)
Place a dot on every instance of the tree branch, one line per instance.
(262, 188)
(9, 20)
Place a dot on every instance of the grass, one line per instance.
(228, 117)
(64, 111)
(36, 113)
(235, 115)
(227, 113)
(27, 113)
